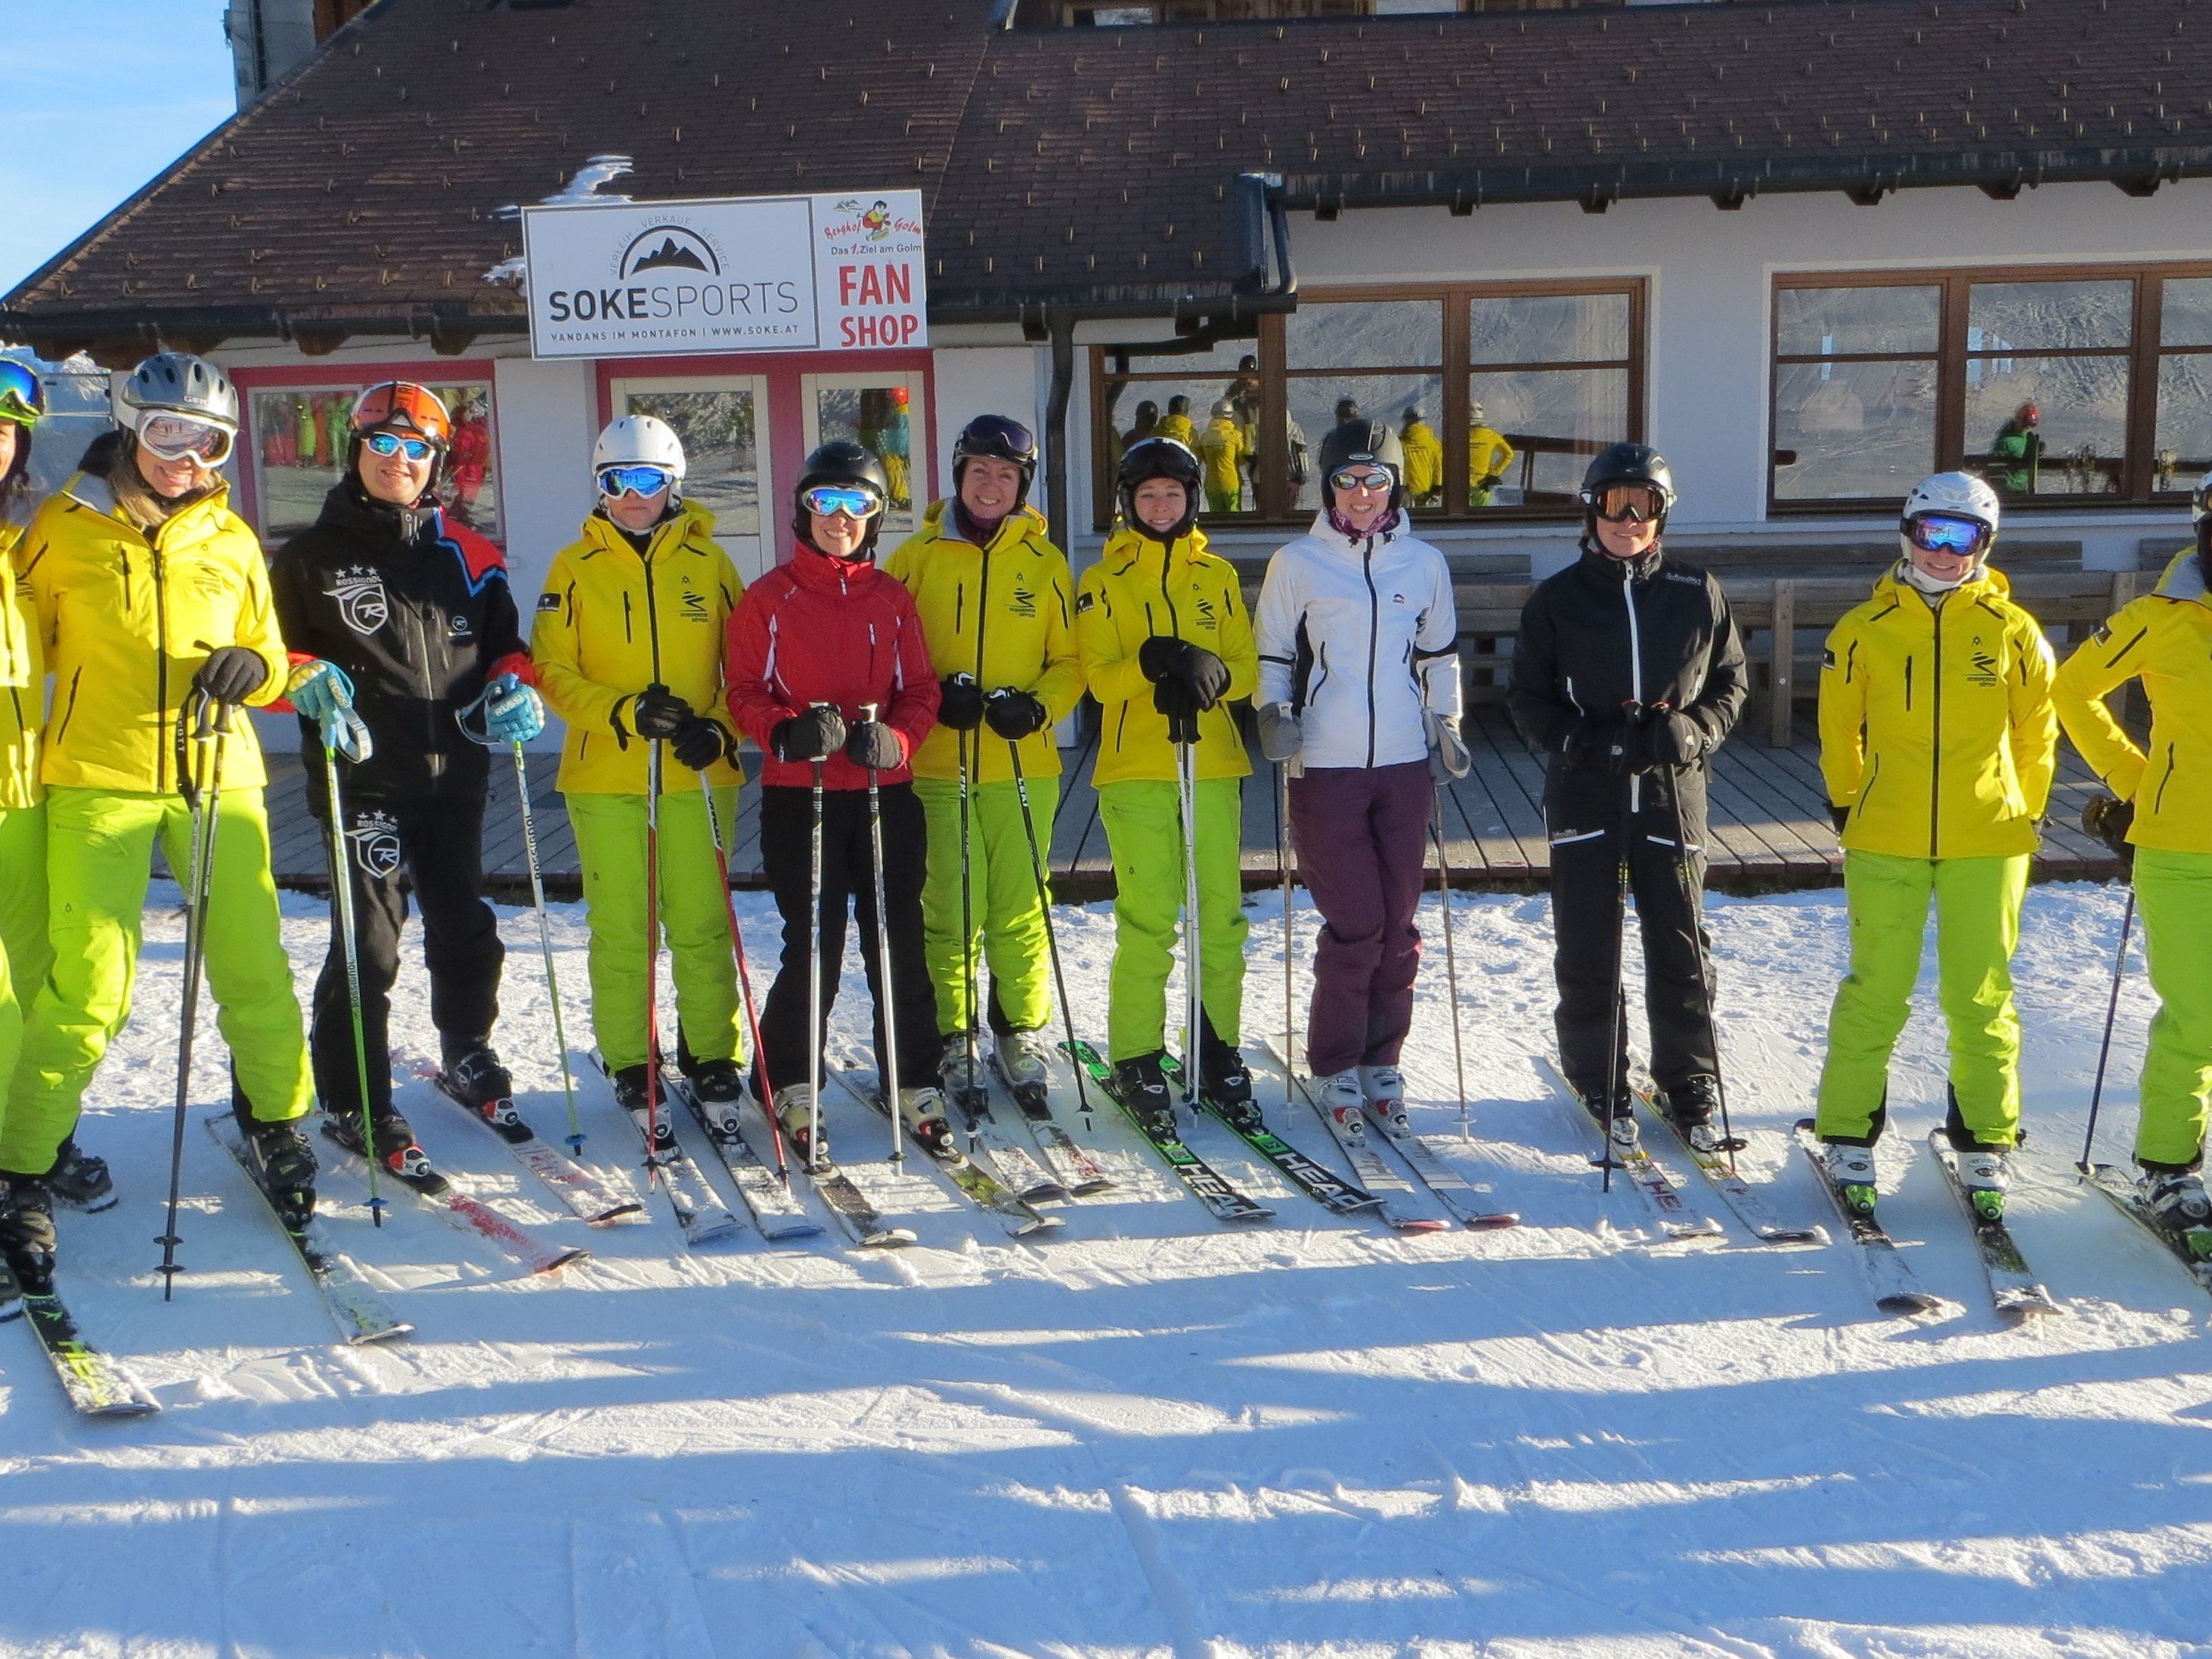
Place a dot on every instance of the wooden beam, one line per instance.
(1782, 678)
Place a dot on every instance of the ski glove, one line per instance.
(512, 711)
(1448, 753)
(1577, 746)
(814, 735)
(960, 703)
(1163, 659)
(2109, 820)
(231, 675)
(319, 690)
(1014, 714)
(874, 745)
(699, 743)
(1840, 816)
(1672, 739)
(1180, 706)
(657, 711)
(1280, 736)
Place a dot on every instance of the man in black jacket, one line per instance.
(1627, 673)
(397, 611)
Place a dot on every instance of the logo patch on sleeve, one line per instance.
(549, 601)
(1828, 658)
(1083, 602)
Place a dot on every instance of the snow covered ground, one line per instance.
(1151, 1434)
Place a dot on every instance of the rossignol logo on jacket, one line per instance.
(375, 838)
(361, 600)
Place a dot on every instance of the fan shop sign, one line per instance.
(837, 272)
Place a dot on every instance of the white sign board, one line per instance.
(839, 273)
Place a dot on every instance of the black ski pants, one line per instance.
(1666, 883)
(848, 875)
(437, 846)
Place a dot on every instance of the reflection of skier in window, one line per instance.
(1488, 455)
(1424, 457)
(471, 460)
(1176, 423)
(1222, 447)
(1244, 392)
(2017, 453)
(891, 448)
(1148, 421)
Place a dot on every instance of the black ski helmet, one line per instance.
(1363, 442)
(1158, 457)
(1626, 464)
(1003, 439)
(841, 462)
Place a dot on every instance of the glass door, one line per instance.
(883, 413)
(723, 422)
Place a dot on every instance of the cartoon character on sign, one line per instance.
(878, 219)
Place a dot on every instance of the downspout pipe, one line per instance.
(1061, 331)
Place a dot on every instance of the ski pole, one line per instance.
(210, 728)
(1616, 1042)
(888, 1065)
(342, 897)
(814, 982)
(1193, 997)
(545, 943)
(1051, 934)
(745, 979)
(1289, 960)
(2111, 1012)
(653, 778)
(967, 914)
(1451, 965)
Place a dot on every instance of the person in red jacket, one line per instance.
(810, 645)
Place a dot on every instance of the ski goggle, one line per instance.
(1939, 533)
(616, 482)
(172, 437)
(826, 501)
(391, 443)
(22, 399)
(1630, 504)
(1001, 438)
(1359, 478)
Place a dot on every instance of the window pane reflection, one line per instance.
(1849, 430)
(2048, 426)
(721, 452)
(1318, 404)
(1547, 328)
(1826, 322)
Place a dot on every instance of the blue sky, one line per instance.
(96, 97)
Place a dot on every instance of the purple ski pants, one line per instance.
(1362, 839)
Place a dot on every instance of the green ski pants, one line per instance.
(693, 919)
(1978, 901)
(100, 849)
(1143, 829)
(24, 954)
(2173, 890)
(1003, 910)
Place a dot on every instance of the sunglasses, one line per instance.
(391, 443)
(172, 437)
(1933, 532)
(825, 501)
(22, 399)
(1358, 477)
(1630, 504)
(617, 482)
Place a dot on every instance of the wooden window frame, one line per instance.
(1276, 510)
(2142, 354)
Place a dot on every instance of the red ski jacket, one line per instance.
(819, 630)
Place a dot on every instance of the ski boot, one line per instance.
(1024, 1059)
(1616, 1124)
(647, 1109)
(719, 1087)
(1851, 1171)
(395, 1147)
(1694, 1107)
(794, 1109)
(1226, 1083)
(1982, 1177)
(284, 1163)
(26, 1232)
(957, 1078)
(922, 1112)
(474, 1076)
(1342, 1102)
(1383, 1089)
(80, 1179)
(1141, 1085)
(2176, 1198)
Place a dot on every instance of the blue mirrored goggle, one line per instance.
(22, 399)
(1937, 532)
(619, 480)
(826, 499)
(391, 443)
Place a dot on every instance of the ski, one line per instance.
(775, 1210)
(700, 1217)
(1015, 1164)
(1750, 1206)
(1073, 1165)
(1450, 1187)
(977, 1184)
(1316, 1180)
(1226, 1203)
(353, 1304)
(2014, 1290)
(467, 1214)
(1668, 1206)
(587, 1195)
(11, 1299)
(97, 1384)
(2192, 1246)
(1896, 1290)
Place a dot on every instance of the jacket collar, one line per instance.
(1600, 566)
(667, 537)
(1336, 541)
(384, 525)
(810, 567)
(91, 491)
(1132, 546)
(2184, 578)
(1986, 581)
(941, 523)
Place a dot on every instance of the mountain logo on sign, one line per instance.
(677, 249)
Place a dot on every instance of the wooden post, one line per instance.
(1781, 679)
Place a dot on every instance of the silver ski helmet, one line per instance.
(1627, 464)
(1158, 457)
(179, 384)
(1363, 442)
(1958, 495)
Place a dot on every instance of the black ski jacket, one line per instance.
(1605, 634)
(416, 609)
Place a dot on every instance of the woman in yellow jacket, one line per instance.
(997, 607)
(628, 649)
(147, 594)
(2161, 806)
(1167, 646)
(1938, 742)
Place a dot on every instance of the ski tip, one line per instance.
(568, 1258)
(620, 1212)
(1039, 1227)
(1421, 1223)
(398, 1332)
(889, 1238)
(1906, 1304)
(1492, 1224)
(1813, 1236)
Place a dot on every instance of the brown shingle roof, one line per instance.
(1091, 166)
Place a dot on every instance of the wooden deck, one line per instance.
(1770, 824)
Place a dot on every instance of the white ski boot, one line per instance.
(794, 1109)
(922, 1112)
(1851, 1170)
(1340, 1097)
(1384, 1089)
(1025, 1061)
(1982, 1175)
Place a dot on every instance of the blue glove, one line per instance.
(319, 690)
(512, 711)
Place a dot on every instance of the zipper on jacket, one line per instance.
(126, 581)
(628, 638)
(1908, 681)
(431, 758)
(1635, 671)
(1935, 747)
(1374, 634)
(68, 713)
(2158, 801)
(160, 672)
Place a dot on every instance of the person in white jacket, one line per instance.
(1359, 696)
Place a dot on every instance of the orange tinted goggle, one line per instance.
(403, 404)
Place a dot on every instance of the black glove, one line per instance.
(1623, 747)
(1672, 739)
(814, 735)
(1579, 743)
(1840, 816)
(2109, 821)
(960, 704)
(657, 711)
(698, 742)
(231, 675)
(1014, 714)
(1162, 659)
(874, 745)
(1180, 704)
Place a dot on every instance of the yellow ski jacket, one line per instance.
(1005, 614)
(1424, 460)
(1222, 447)
(610, 622)
(1138, 589)
(1936, 725)
(22, 683)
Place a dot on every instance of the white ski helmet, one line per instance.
(638, 440)
(1954, 494)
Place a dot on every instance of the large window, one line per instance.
(2081, 387)
(1499, 393)
(297, 439)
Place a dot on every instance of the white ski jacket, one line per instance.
(1360, 636)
